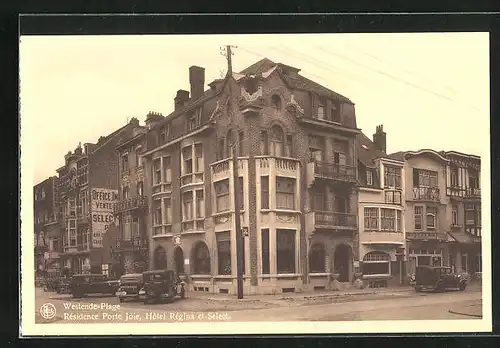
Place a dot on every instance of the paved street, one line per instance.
(383, 305)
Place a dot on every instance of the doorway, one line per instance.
(179, 260)
(342, 262)
(160, 258)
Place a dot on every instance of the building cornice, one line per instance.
(426, 152)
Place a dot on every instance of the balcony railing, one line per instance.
(426, 235)
(334, 171)
(426, 194)
(328, 219)
(473, 192)
(138, 202)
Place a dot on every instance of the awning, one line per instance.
(461, 237)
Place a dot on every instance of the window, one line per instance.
(387, 219)
(157, 219)
(454, 176)
(276, 142)
(276, 102)
(201, 258)
(220, 149)
(336, 112)
(392, 177)
(369, 177)
(265, 251)
(187, 156)
(224, 252)
(187, 206)
(472, 214)
(285, 251)
(424, 178)
(156, 171)
(241, 193)
(167, 168)
(321, 110)
(289, 146)
(198, 151)
(473, 182)
(285, 193)
(222, 195)
(319, 201)
(316, 148)
(140, 188)
(264, 192)
(229, 143)
(241, 144)
(371, 219)
(376, 263)
(317, 258)
(418, 212)
(127, 227)
(454, 215)
(125, 164)
(200, 204)
(263, 143)
(393, 197)
(399, 224)
(194, 121)
(163, 134)
(431, 218)
(125, 193)
(168, 211)
(464, 262)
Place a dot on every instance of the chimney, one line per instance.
(380, 139)
(152, 118)
(181, 98)
(197, 81)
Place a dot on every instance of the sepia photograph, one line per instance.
(194, 184)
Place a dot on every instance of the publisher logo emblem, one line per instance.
(48, 311)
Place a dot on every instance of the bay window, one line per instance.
(157, 218)
(264, 192)
(167, 169)
(198, 152)
(168, 210)
(200, 204)
(223, 253)
(376, 263)
(187, 206)
(392, 177)
(187, 157)
(222, 202)
(387, 219)
(285, 193)
(285, 255)
(156, 171)
(276, 142)
(371, 219)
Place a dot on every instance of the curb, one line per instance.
(465, 314)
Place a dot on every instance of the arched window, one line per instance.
(276, 141)
(317, 258)
(140, 188)
(377, 263)
(201, 259)
(125, 192)
(160, 258)
(276, 102)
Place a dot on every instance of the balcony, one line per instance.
(331, 171)
(427, 194)
(472, 192)
(331, 220)
(134, 203)
(456, 192)
(223, 169)
(76, 249)
(426, 236)
(287, 167)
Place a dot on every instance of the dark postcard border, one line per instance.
(225, 24)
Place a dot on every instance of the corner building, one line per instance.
(297, 167)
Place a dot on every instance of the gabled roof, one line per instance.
(292, 77)
(367, 152)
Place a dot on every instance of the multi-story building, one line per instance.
(381, 211)
(426, 221)
(46, 233)
(297, 172)
(130, 248)
(463, 190)
(87, 190)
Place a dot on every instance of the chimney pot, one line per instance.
(380, 139)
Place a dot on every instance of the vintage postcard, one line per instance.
(231, 184)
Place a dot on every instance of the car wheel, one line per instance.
(439, 287)
(462, 286)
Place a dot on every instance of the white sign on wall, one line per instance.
(102, 201)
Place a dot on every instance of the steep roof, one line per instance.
(292, 77)
(367, 151)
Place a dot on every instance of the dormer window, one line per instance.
(163, 134)
(194, 120)
(369, 177)
(276, 102)
(336, 112)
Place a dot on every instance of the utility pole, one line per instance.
(239, 236)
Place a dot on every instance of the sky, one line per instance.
(427, 90)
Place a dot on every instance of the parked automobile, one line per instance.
(439, 279)
(86, 284)
(130, 285)
(162, 285)
(63, 286)
(50, 284)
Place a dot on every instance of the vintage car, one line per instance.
(86, 284)
(162, 285)
(50, 284)
(130, 285)
(439, 279)
(63, 286)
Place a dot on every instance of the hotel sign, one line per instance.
(102, 201)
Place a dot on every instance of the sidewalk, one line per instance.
(474, 310)
(301, 295)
